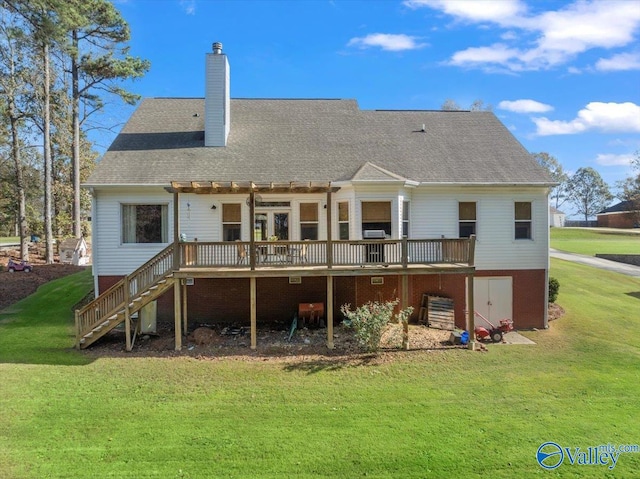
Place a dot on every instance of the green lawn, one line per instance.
(590, 242)
(424, 414)
(9, 239)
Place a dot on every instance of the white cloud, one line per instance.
(474, 10)
(497, 53)
(524, 106)
(620, 62)
(606, 117)
(387, 41)
(559, 35)
(189, 6)
(608, 159)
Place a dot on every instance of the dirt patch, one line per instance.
(212, 342)
(19, 285)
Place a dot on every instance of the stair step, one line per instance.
(97, 329)
(162, 281)
(146, 293)
(111, 318)
(153, 288)
(88, 335)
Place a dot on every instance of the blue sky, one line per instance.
(563, 76)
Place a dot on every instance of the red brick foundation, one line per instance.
(227, 300)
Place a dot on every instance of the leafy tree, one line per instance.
(477, 105)
(588, 192)
(98, 61)
(15, 87)
(629, 188)
(558, 193)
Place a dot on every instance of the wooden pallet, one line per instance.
(437, 312)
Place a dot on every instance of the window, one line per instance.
(523, 220)
(231, 221)
(466, 219)
(376, 215)
(343, 220)
(405, 219)
(144, 224)
(309, 221)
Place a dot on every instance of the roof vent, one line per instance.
(217, 48)
(423, 128)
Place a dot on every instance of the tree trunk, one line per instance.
(75, 114)
(22, 197)
(48, 232)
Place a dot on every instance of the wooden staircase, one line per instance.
(128, 296)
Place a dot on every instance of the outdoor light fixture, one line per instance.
(214, 207)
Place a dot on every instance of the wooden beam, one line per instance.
(329, 231)
(471, 312)
(185, 321)
(252, 294)
(176, 231)
(329, 312)
(404, 303)
(177, 309)
(127, 315)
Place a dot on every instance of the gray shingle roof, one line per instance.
(314, 140)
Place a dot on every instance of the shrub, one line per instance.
(554, 288)
(370, 319)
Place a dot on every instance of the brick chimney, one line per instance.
(217, 105)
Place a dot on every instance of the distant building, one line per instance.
(74, 251)
(625, 214)
(556, 218)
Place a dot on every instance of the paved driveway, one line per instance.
(623, 268)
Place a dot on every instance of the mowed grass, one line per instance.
(590, 241)
(422, 414)
(9, 239)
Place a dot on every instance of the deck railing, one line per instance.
(114, 299)
(238, 254)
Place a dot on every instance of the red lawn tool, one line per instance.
(495, 333)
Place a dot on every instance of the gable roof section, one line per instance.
(314, 140)
(371, 172)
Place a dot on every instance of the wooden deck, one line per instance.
(322, 258)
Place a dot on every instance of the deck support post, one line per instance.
(329, 232)
(329, 312)
(127, 315)
(185, 320)
(404, 303)
(177, 311)
(252, 294)
(176, 231)
(470, 313)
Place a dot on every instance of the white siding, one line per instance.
(434, 214)
(112, 256)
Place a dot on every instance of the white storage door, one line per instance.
(492, 298)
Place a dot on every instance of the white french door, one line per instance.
(271, 223)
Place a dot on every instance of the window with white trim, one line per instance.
(405, 219)
(231, 221)
(308, 221)
(144, 224)
(466, 219)
(522, 215)
(343, 220)
(376, 215)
